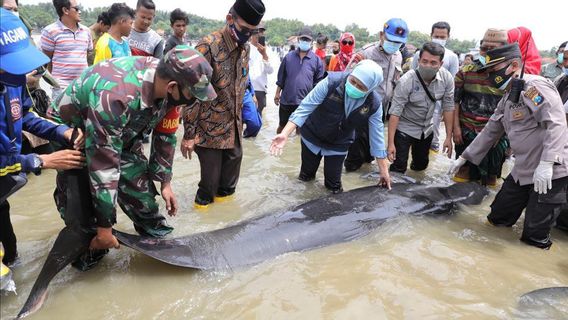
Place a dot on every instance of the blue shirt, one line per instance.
(19, 110)
(297, 77)
(316, 97)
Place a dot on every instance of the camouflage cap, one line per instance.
(193, 70)
(501, 54)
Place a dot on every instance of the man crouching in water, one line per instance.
(115, 103)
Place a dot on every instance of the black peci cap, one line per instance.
(251, 11)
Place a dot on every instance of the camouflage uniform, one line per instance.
(114, 105)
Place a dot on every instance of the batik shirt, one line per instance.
(113, 102)
(217, 124)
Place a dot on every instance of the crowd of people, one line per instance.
(118, 82)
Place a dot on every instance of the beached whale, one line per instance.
(317, 223)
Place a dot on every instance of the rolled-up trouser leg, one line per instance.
(7, 235)
(310, 164)
(542, 212)
(230, 170)
(137, 196)
(509, 203)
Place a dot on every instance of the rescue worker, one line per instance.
(386, 53)
(537, 130)
(116, 102)
(329, 115)
(16, 116)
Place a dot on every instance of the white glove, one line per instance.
(456, 165)
(542, 178)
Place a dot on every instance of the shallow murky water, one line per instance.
(411, 268)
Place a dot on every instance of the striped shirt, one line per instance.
(476, 96)
(69, 50)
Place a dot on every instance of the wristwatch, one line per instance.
(38, 164)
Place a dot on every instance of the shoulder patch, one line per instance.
(534, 95)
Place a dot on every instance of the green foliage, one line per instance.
(278, 29)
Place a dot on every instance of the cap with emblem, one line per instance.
(504, 53)
(17, 54)
(396, 30)
(193, 71)
(251, 11)
(495, 35)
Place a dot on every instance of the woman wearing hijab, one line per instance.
(529, 51)
(329, 115)
(340, 61)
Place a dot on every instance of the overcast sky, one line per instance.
(469, 19)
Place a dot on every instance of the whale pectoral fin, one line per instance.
(69, 245)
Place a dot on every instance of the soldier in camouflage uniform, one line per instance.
(115, 103)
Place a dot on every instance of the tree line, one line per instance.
(277, 33)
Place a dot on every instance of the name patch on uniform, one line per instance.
(534, 95)
(170, 122)
(518, 115)
(15, 109)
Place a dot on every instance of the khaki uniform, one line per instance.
(536, 127)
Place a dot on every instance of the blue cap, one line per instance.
(17, 54)
(396, 30)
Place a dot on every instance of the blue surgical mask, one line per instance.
(560, 57)
(304, 45)
(391, 47)
(353, 92)
(481, 60)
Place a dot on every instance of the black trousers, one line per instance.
(261, 99)
(541, 212)
(359, 151)
(284, 113)
(420, 150)
(7, 235)
(332, 166)
(220, 170)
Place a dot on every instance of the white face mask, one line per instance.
(441, 42)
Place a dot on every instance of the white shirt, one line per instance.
(259, 69)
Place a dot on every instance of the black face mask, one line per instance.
(498, 78)
(240, 36)
(335, 51)
(182, 101)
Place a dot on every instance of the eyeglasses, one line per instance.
(77, 8)
(347, 43)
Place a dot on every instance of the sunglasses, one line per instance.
(347, 43)
(77, 8)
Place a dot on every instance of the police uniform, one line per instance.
(537, 130)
